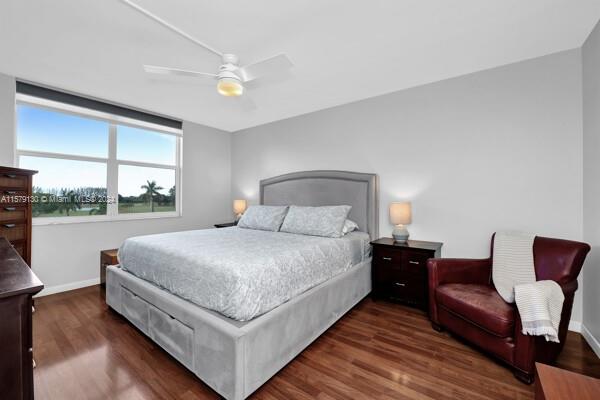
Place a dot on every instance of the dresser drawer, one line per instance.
(12, 180)
(10, 196)
(13, 231)
(13, 213)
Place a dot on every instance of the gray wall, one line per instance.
(67, 256)
(499, 149)
(591, 188)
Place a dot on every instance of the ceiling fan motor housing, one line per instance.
(229, 67)
(230, 59)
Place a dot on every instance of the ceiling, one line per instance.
(343, 51)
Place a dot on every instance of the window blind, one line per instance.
(29, 89)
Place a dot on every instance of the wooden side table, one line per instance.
(399, 270)
(553, 383)
(225, 224)
(107, 257)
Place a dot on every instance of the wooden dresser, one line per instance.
(15, 209)
(553, 383)
(17, 284)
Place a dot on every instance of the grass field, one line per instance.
(129, 208)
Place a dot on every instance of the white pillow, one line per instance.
(264, 218)
(325, 221)
(349, 226)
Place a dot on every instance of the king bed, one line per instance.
(236, 305)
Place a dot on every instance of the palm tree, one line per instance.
(69, 202)
(151, 191)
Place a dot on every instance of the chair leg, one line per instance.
(524, 376)
(437, 327)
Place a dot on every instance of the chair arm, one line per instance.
(459, 270)
(455, 270)
(569, 288)
(529, 349)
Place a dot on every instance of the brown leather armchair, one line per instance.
(462, 299)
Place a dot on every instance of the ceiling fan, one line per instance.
(230, 76)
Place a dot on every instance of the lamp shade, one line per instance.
(400, 213)
(239, 206)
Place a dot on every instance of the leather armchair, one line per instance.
(463, 300)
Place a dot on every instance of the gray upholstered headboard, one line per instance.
(328, 188)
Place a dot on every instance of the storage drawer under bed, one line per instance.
(172, 335)
(135, 309)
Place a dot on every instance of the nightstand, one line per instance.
(225, 225)
(399, 270)
(107, 257)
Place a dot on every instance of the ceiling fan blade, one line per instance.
(172, 27)
(271, 66)
(245, 102)
(154, 69)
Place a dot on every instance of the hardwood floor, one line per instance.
(378, 350)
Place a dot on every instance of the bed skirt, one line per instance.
(232, 357)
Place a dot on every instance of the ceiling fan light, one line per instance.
(230, 87)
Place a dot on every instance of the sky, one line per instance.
(49, 131)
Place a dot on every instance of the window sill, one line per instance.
(42, 221)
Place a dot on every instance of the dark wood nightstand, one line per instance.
(225, 224)
(399, 270)
(107, 257)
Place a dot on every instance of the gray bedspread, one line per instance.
(240, 273)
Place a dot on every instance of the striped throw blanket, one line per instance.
(539, 302)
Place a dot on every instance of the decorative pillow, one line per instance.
(349, 226)
(264, 218)
(325, 221)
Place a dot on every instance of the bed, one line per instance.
(237, 349)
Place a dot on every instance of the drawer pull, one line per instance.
(414, 262)
(399, 284)
(387, 258)
(11, 176)
(10, 225)
(10, 208)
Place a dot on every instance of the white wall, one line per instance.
(499, 149)
(7, 119)
(68, 256)
(591, 188)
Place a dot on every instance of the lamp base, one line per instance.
(400, 234)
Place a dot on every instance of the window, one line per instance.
(96, 165)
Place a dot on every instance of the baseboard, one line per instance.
(575, 326)
(591, 340)
(68, 286)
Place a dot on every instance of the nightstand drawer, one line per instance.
(415, 262)
(385, 257)
(406, 290)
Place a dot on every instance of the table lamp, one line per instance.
(239, 206)
(400, 215)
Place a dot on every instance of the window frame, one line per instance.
(111, 162)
